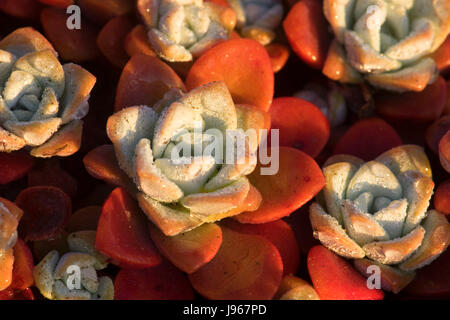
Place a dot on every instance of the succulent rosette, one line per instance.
(386, 42)
(257, 19)
(177, 156)
(42, 101)
(180, 30)
(55, 275)
(379, 210)
(330, 101)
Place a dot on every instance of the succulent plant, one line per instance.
(330, 101)
(181, 30)
(168, 151)
(386, 42)
(257, 19)
(379, 210)
(53, 275)
(41, 102)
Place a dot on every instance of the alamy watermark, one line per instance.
(73, 22)
(373, 281)
(73, 281)
(230, 147)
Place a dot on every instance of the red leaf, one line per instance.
(280, 234)
(423, 106)
(14, 166)
(162, 282)
(307, 31)
(101, 163)
(144, 81)
(244, 66)
(278, 54)
(122, 233)
(247, 267)
(301, 125)
(442, 197)
(335, 279)
(22, 276)
(436, 131)
(137, 42)
(111, 40)
(297, 181)
(46, 212)
(444, 151)
(191, 250)
(77, 45)
(12, 294)
(367, 139)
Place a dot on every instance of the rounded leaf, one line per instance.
(243, 65)
(122, 233)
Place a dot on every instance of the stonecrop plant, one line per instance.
(73, 275)
(179, 187)
(379, 209)
(386, 42)
(257, 19)
(42, 102)
(182, 30)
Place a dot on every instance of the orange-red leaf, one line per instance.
(442, 197)
(307, 32)
(111, 40)
(277, 232)
(444, 151)
(137, 42)
(101, 163)
(246, 267)
(423, 106)
(301, 124)
(122, 233)
(436, 131)
(278, 55)
(244, 66)
(442, 56)
(144, 81)
(162, 282)
(22, 276)
(191, 250)
(335, 279)
(298, 180)
(367, 139)
(77, 45)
